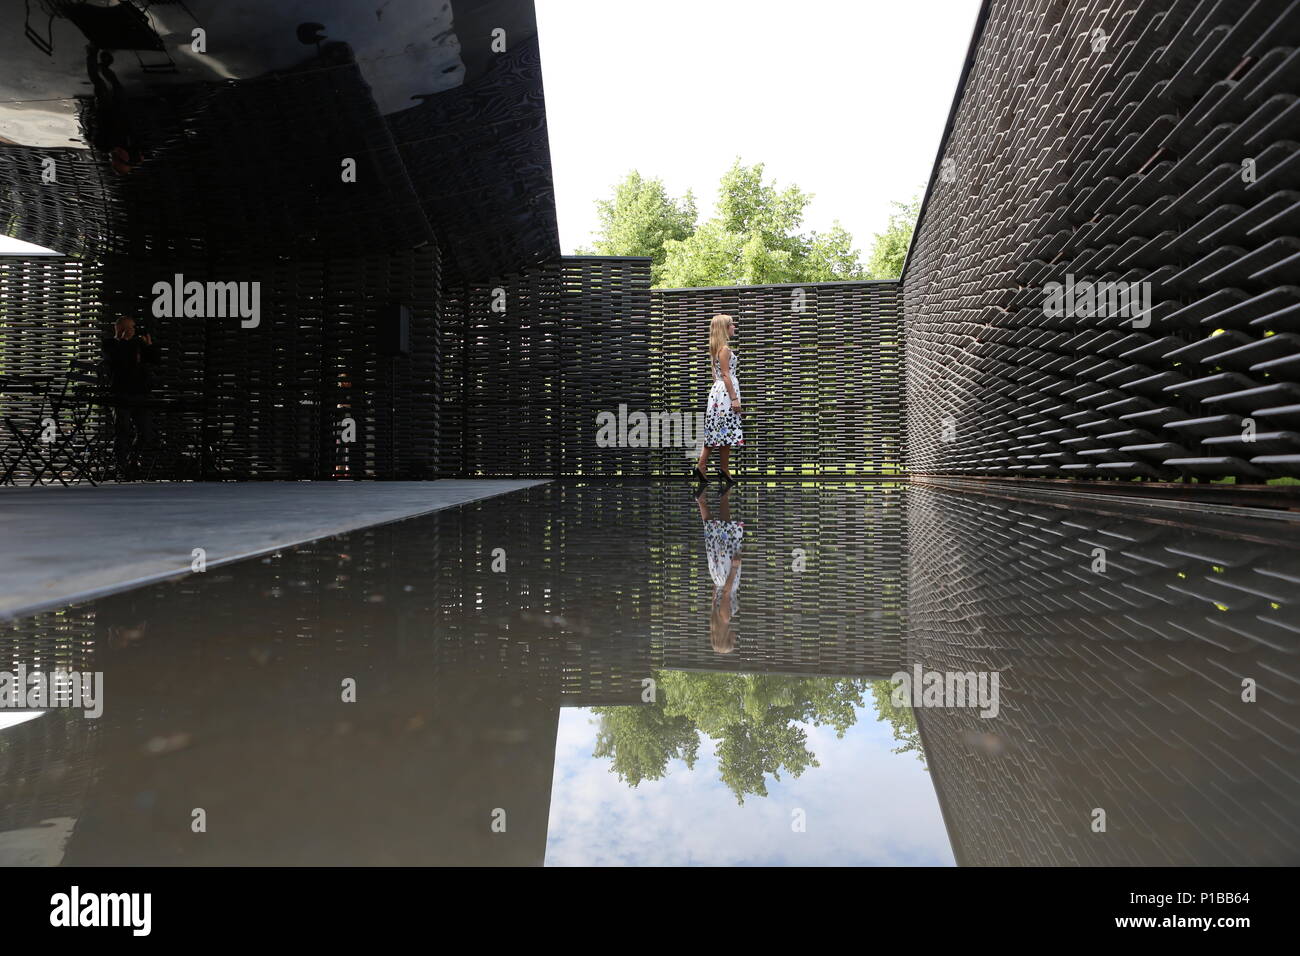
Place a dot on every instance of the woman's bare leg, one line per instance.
(704, 459)
(724, 458)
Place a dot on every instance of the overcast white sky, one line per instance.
(846, 98)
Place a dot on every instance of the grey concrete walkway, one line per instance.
(59, 545)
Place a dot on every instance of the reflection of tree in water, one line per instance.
(752, 716)
(903, 720)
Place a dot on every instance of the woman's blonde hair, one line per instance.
(721, 634)
(718, 336)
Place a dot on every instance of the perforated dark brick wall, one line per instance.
(1148, 142)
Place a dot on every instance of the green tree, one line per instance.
(641, 740)
(903, 719)
(889, 251)
(754, 237)
(753, 718)
(832, 258)
(640, 219)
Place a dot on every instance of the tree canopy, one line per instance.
(889, 251)
(752, 717)
(902, 719)
(639, 219)
(754, 237)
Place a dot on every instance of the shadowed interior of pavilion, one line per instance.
(1119, 160)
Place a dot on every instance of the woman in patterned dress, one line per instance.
(722, 428)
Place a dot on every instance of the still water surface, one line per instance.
(620, 674)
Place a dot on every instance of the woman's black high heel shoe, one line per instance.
(700, 476)
(727, 480)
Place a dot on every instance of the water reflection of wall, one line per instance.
(222, 689)
(1119, 690)
(223, 692)
(47, 764)
(822, 589)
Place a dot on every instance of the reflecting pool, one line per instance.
(619, 674)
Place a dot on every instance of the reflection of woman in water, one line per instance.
(722, 541)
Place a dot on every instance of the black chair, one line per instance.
(57, 437)
(83, 409)
(23, 432)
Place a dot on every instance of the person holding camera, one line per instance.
(129, 358)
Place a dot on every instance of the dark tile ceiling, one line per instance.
(243, 143)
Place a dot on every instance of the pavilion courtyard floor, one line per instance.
(67, 543)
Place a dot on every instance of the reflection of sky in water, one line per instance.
(865, 806)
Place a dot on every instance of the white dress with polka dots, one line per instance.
(721, 423)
